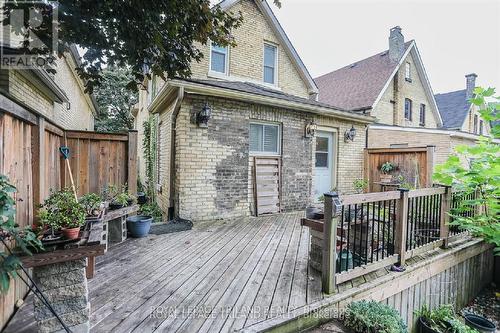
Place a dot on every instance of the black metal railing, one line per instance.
(462, 205)
(423, 222)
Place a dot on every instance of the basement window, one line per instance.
(265, 138)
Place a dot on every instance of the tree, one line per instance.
(146, 36)
(115, 101)
(479, 179)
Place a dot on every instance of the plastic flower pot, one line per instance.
(479, 323)
(115, 205)
(141, 198)
(71, 233)
(139, 225)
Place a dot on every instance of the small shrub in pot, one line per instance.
(62, 211)
(371, 316)
(440, 320)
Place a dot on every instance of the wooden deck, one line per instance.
(214, 278)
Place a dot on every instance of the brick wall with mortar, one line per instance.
(23, 90)
(214, 166)
(413, 90)
(247, 57)
(80, 115)
(65, 287)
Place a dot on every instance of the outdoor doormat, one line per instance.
(174, 225)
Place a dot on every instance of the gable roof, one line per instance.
(357, 86)
(453, 107)
(283, 38)
(360, 86)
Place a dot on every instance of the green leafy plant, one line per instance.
(371, 316)
(443, 319)
(62, 210)
(152, 209)
(360, 185)
(387, 168)
(92, 203)
(474, 171)
(10, 232)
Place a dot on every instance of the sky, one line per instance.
(454, 37)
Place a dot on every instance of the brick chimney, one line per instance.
(470, 80)
(396, 44)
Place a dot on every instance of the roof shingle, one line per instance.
(358, 85)
(453, 107)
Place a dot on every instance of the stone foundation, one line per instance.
(65, 287)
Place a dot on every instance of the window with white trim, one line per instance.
(270, 63)
(219, 59)
(408, 110)
(408, 71)
(265, 138)
(422, 114)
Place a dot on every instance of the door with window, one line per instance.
(324, 165)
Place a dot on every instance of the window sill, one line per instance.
(217, 75)
(262, 154)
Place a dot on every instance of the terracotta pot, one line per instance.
(385, 178)
(71, 233)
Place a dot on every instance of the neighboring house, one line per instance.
(393, 87)
(458, 113)
(59, 97)
(243, 103)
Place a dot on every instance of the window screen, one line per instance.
(264, 138)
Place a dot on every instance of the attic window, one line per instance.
(408, 109)
(408, 72)
(270, 63)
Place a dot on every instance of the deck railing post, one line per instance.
(444, 228)
(401, 225)
(328, 269)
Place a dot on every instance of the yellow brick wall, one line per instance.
(25, 91)
(413, 90)
(80, 115)
(468, 125)
(247, 58)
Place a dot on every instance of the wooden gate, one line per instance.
(413, 166)
(267, 185)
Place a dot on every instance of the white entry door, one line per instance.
(324, 165)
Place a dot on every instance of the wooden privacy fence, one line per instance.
(365, 232)
(414, 165)
(30, 157)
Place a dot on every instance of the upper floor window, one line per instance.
(152, 88)
(219, 59)
(265, 138)
(408, 108)
(408, 71)
(481, 127)
(270, 63)
(476, 119)
(422, 114)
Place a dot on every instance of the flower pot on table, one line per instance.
(71, 233)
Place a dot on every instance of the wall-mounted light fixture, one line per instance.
(350, 134)
(311, 128)
(204, 115)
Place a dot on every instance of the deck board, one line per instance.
(218, 277)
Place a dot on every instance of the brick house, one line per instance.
(262, 101)
(59, 97)
(393, 87)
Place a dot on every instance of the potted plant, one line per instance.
(386, 169)
(117, 198)
(62, 211)
(479, 323)
(139, 225)
(441, 320)
(92, 204)
(360, 185)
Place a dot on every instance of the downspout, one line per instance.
(177, 107)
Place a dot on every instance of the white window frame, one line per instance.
(265, 153)
(408, 71)
(226, 64)
(275, 83)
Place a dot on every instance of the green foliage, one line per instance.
(115, 101)
(475, 171)
(387, 168)
(92, 204)
(371, 316)
(360, 185)
(158, 37)
(152, 209)
(149, 152)
(117, 194)
(23, 238)
(62, 210)
(443, 319)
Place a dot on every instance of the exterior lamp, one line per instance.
(311, 128)
(204, 115)
(350, 134)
